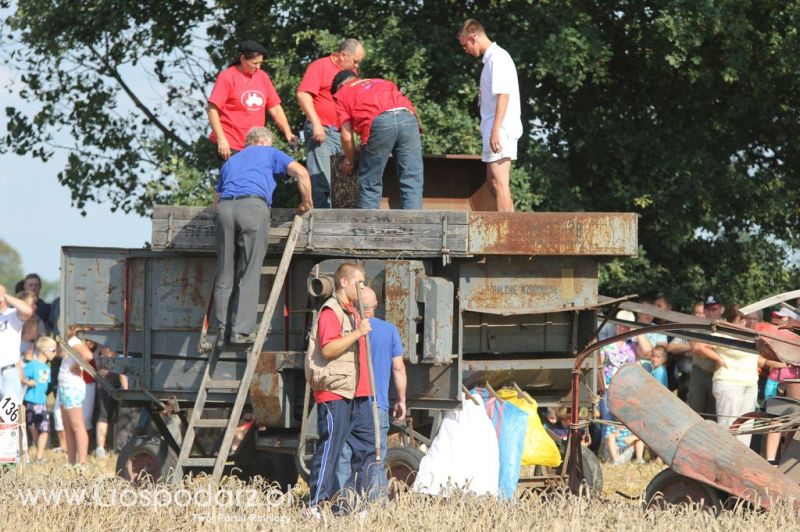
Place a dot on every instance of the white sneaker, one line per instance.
(100, 453)
(313, 513)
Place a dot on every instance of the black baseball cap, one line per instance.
(340, 78)
(712, 301)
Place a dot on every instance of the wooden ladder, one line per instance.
(197, 421)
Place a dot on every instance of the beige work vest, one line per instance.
(338, 375)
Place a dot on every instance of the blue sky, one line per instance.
(37, 216)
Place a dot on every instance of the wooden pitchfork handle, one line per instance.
(375, 419)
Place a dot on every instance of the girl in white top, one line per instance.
(71, 393)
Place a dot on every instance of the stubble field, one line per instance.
(93, 499)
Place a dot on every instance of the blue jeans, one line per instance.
(339, 423)
(10, 383)
(378, 484)
(318, 162)
(393, 132)
(606, 415)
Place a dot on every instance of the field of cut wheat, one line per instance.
(55, 497)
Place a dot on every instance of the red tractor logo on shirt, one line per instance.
(253, 100)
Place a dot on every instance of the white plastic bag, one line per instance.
(464, 455)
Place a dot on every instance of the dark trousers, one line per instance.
(220, 161)
(242, 228)
(339, 422)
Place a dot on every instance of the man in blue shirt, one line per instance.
(387, 361)
(242, 202)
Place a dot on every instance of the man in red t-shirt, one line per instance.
(322, 129)
(342, 389)
(387, 123)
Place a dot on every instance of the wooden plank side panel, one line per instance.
(343, 231)
(377, 216)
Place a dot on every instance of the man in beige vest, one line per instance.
(336, 367)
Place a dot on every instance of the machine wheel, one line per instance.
(303, 463)
(146, 458)
(402, 464)
(592, 471)
(670, 488)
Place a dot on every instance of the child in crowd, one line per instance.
(106, 407)
(658, 358)
(553, 423)
(778, 375)
(58, 423)
(622, 445)
(36, 377)
(558, 421)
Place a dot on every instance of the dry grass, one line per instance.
(409, 512)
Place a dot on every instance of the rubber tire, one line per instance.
(710, 495)
(303, 465)
(592, 471)
(155, 450)
(408, 457)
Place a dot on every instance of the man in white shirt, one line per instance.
(11, 321)
(501, 123)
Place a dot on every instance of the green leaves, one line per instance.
(686, 112)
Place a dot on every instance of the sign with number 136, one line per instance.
(9, 409)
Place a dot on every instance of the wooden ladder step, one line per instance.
(210, 423)
(199, 462)
(218, 463)
(223, 385)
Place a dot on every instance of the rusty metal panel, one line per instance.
(612, 234)
(526, 334)
(181, 288)
(92, 282)
(434, 387)
(266, 391)
(437, 296)
(401, 303)
(527, 284)
(690, 445)
(272, 390)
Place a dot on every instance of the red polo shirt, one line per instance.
(329, 328)
(362, 101)
(317, 82)
(242, 101)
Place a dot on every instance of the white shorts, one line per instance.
(508, 148)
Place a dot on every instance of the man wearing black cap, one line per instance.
(387, 123)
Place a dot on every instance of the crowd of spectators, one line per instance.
(57, 394)
(720, 383)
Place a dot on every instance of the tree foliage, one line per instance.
(685, 112)
(10, 266)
